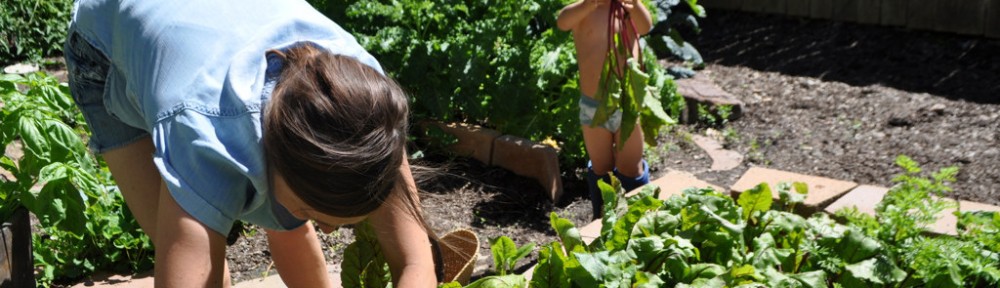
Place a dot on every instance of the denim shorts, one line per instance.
(88, 73)
(588, 107)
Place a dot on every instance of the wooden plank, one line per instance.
(754, 5)
(846, 10)
(798, 7)
(822, 9)
(922, 14)
(869, 11)
(992, 27)
(893, 12)
(965, 17)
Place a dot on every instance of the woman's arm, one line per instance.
(298, 256)
(572, 14)
(402, 237)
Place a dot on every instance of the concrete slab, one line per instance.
(591, 231)
(947, 221)
(674, 182)
(722, 159)
(864, 197)
(965, 17)
(274, 280)
(798, 7)
(527, 158)
(893, 12)
(822, 191)
(100, 279)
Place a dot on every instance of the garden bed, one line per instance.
(823, 98)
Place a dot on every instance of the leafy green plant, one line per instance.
(32, 29)
(706, 239)
(506, 253)
(85, 224)
(674, 20)
(500, 64)
(364, 265)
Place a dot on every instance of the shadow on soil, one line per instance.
(499, 198)
(954, 66)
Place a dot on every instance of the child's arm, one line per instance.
(572, 14)
(640, 16)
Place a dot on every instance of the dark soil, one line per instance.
(842, 100)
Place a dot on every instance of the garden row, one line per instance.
(781, 232)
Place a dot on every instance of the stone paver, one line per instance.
(822, 191)
(142, 280)
(947, 221)
(722, 159)
(529, 159)
(675, 182)
(864, 197)
(591, 231)
(700, 90)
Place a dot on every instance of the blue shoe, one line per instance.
(630, 184)
(596, 201)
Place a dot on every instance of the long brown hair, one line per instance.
(335, 129)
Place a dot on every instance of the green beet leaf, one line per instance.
(757, 199)
(551, 268)
(505, 281)
(567, 232)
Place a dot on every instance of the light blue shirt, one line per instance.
(195, 75)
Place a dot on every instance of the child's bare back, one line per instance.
(588, 20)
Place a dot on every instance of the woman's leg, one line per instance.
(140, 183)
(133, 169)
(298, 256)
(188, 253)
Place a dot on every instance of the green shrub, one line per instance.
(33, 29)
(85, 225)
(501, 64)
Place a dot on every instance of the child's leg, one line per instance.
(630, 169)
(598, 142)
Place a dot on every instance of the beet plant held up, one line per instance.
(624, 82)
